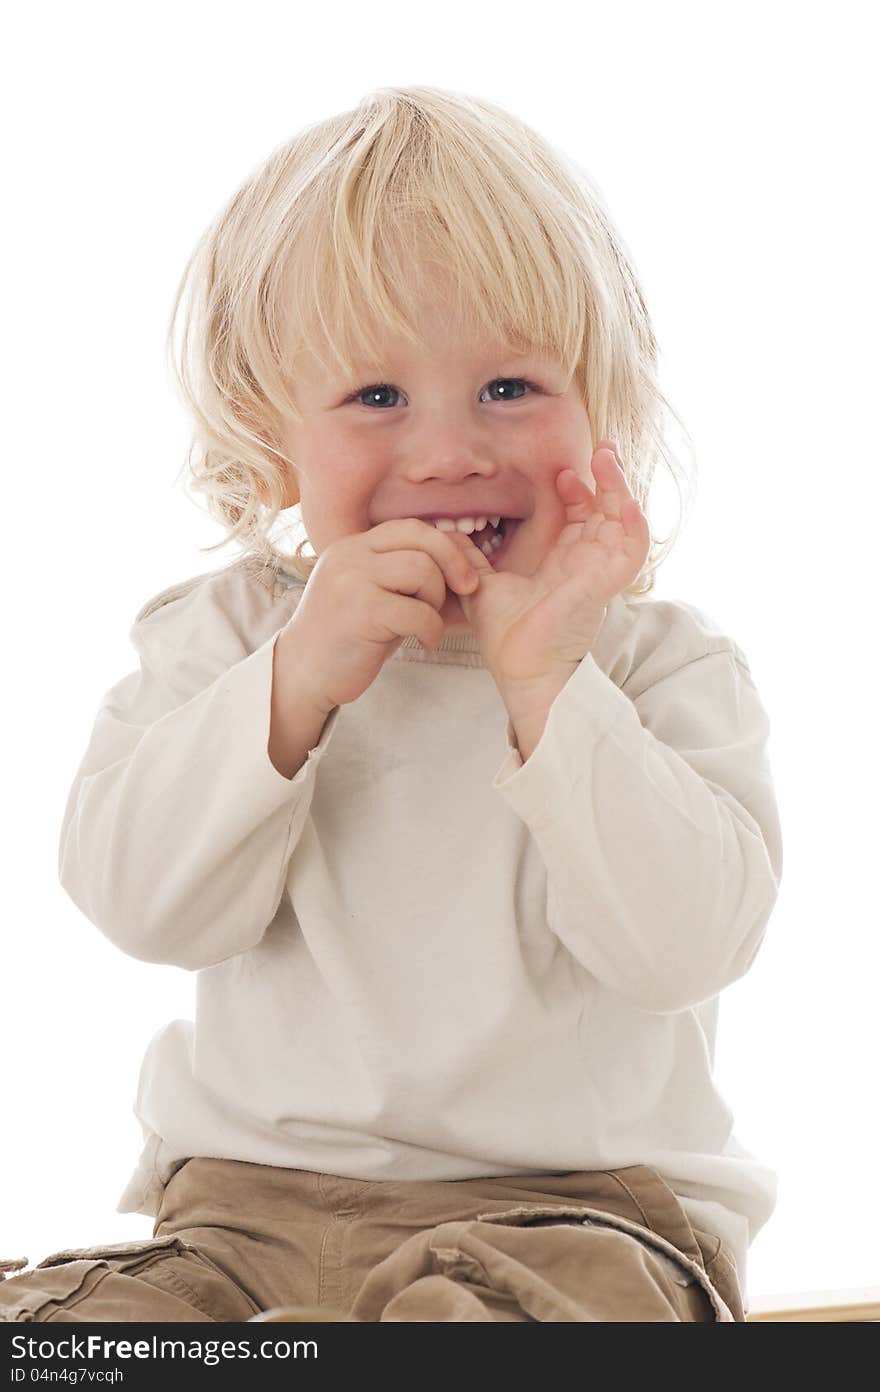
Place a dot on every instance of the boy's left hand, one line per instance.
(534, 630)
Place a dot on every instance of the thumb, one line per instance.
(480, 562)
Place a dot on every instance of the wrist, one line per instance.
(527, 699)
(294, 665)
(528, 706)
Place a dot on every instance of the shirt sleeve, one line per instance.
(178, 829)
(657, 822)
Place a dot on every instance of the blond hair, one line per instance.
(326, 227)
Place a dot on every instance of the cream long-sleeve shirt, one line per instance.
(421, 957)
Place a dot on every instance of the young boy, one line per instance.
(463, 834)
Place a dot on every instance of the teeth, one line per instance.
(487, 547)
(472, 524)
(465, 524)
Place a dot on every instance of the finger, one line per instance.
(613, 447)
(412, 532)
(634, 521)
(576, 495)
(405, 573)
(475, 557)
(612, 489)
(571, 533)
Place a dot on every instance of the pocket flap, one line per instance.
(143, 1247)
(598, 1217)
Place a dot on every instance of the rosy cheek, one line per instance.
(556, 447)
(553, 452)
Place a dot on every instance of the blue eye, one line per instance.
(375, 391)
(507, 382)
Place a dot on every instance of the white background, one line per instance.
(735, 145)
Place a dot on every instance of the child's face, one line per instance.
(438, 439)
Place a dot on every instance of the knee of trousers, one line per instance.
(555, 1264)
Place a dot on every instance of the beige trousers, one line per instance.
(233, 1239)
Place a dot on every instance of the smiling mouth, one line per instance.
(507, 530)
(494, 542)
(491, 540)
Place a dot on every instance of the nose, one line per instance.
(448, 453)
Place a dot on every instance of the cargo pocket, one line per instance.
(75, 1271)
(683, 1269)
(129, 1256)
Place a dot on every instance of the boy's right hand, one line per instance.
(366, 593)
